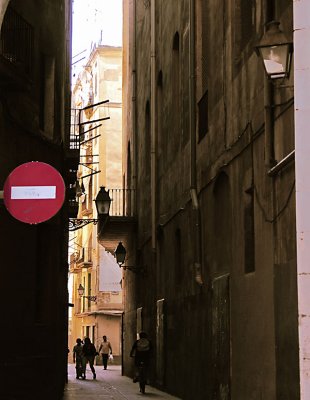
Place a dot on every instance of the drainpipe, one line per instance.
(302, 167)
(153, 124)
(134, 146)
(192, 127)
(268, 100)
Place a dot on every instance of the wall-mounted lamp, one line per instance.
(103, 202)
(120, 255)
(81, 291)
(275, 50)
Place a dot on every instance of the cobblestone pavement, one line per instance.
(109, 385)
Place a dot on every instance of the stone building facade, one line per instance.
(35, 60)
(206, 136)
(98, 84)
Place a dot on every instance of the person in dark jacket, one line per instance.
(89, 353)
(78, 358)
(141, 351)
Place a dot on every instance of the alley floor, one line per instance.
(109, 385)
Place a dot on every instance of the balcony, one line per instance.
(121, 221)
(72, 159)
(81, 259)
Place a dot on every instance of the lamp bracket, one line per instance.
(91, 174)
(78, 223)
(135, 269)
(91, 298)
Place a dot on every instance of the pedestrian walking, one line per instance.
(78, 358)
(89, 353)
(105, 350)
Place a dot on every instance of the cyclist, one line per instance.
(141, 351)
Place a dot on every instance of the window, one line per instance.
(159, 110)
(83, 298)
(247, 21)
(87, 331)
(249, 233)
(203, 116)
(244, 32)
(185, 89)
(88, 289)
(17, 39)
(147, 132)
(178, 256)
(222, 228)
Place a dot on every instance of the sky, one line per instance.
(90, 18)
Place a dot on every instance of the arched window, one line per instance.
(222, 224)
(147, 140)
(174, 141)
(249, 231)
(176, 41)
(159, 109)
(178, 256)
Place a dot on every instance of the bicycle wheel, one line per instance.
(142, 378)
(142, 387)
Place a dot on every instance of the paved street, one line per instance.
(108, 385)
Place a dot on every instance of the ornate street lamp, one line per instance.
(120, 255)
(81, 291)
(275, 50)
(103, 202)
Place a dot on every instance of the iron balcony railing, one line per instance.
(17, 40)
(74, 131)
(85, 255)
(122, 204)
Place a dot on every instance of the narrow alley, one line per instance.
(108, 385)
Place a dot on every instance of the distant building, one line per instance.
(99, 310)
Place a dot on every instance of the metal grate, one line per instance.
(17, 41)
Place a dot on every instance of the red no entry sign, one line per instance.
(34, 192)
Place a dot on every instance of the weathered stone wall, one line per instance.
(228, 338)
(34, 270)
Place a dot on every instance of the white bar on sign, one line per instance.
(33, 192)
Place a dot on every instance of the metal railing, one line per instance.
(17, 40)
(74, 143)
(85, 255)
(122, 204)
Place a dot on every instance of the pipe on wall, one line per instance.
(192, 127)
(268, 100)
(134, 147)
(153, 124)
